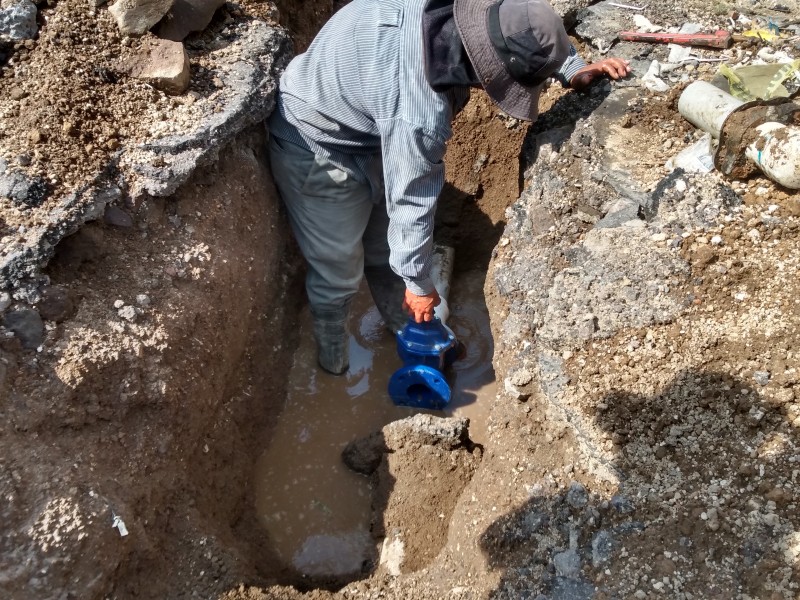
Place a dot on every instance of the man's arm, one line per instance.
(414, 176)
(575, 73)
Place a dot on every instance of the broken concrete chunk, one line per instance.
(427, 430)
(165, 66)
(135, 17)
(187, 16)
(18, 21)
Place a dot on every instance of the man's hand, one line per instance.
(421, 307)
(616, 68)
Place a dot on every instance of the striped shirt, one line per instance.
(359, 97)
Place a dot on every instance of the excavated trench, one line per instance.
(322, 519)
(179, 382)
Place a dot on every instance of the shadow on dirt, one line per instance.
(564, 114)
(705, 506)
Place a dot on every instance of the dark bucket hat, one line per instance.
(514, 46)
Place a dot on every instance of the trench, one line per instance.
(317, 514)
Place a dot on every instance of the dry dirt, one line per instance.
(157, 419)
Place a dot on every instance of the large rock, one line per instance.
(187, 16)
(165, 65)
(18, 21)
(135, 17)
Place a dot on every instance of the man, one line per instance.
(360, 130)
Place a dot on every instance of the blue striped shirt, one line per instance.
(359, 97)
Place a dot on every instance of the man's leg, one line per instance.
(328, 211)
(386, 287)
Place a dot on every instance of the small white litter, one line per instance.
(120, 525)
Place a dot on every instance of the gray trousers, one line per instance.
(338, 227)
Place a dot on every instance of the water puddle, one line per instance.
(317, 511)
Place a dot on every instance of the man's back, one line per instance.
(363, 73)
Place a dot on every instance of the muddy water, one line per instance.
(317, 512)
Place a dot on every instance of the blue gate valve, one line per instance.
(426, 349)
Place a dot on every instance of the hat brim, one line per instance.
(515, 99)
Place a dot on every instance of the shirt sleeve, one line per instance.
(572, 65)
(413, 170)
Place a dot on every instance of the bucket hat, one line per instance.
(514, 46)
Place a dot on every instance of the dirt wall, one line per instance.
(144, 404)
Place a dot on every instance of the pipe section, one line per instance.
(707, 107)
(774, 147)
(777, 153)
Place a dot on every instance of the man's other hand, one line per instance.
(616, 68)
(421, 307)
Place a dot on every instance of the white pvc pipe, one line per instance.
(441, 274)
(777, 153)
(706, 106)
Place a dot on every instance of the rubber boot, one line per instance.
(333, 338)
(387, 291)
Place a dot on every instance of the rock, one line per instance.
(703, 256)
(143, 300)
(521, 377)
(18, 21)
(187, 16)
(165, 65)
(56, 304)
(129, 313)
(577, 496)
(364, 455)
(568, 564)
(571, 589)
(35, 136)
(541, 220)
(117, 217)
(622, 211)
(27, 327)
(602, 546)
(17, 93)
(427, 430)
(762, 377)
(22, 190)
(5, 300)
(135, 17)
(534, 522)
(621, 504)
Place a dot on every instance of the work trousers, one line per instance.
(338, 227)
